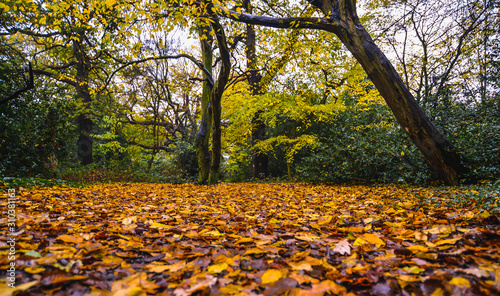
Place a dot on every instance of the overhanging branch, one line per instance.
(30, 85)
(284, 23)
(53, 75)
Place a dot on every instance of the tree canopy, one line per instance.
(258, 84)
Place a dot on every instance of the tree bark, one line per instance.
(342, 20)
(84, 143)
(203, 135)
(216, 96)
(260, 160)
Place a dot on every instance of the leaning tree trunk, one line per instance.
(435, 147)
(203, 135)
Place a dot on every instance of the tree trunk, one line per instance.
(259, 160)
(84, 143)
(203, 135)
(216, 96)
(435, 147)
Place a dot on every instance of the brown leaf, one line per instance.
(280, 287)
(343, 248)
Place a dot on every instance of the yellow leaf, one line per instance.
(438, 292)
(231, 289)
(244, 240)
(306, 237)
(217, 268)
(300, 265)
(254, 251)
(7, 291)
(271, 275)
(223, 258)
(34, 270)
(70, 239)
(395, 225)
(413, 269)
(469, 214)
(161, 268)
(369, 238)
(158, 225)
(214, 233)
(484, 214)
(450, 241)
(460, 281)
(132, 291)
(418, 248)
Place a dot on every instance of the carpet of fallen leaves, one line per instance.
(249, 239)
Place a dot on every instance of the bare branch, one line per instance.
(195, 61)
(156, 147)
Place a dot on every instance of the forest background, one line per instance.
(109, 91)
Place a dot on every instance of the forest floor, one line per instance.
(250, 239)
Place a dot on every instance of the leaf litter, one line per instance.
(249, 239)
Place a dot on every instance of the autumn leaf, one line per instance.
(271, 276)
(460, 281)
(70, 239)
(217, 268)
(343, 248)
(34, 270)
(132, 291)
(369, 238)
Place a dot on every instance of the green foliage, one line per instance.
(29, 182)
(485, 196)
(184, 156)
(37, 133)
(362, 145)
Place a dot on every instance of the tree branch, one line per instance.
(29, 33)
(30, 85)
(156, 147)
(164, 124)
(284, 23)
(53, 75)
(195, 61)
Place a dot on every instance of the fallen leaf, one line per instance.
(70, 239)
(460, 281)
(343, 248)
(217, 268)
(271, 275)
(280, 287)
(369, 238)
